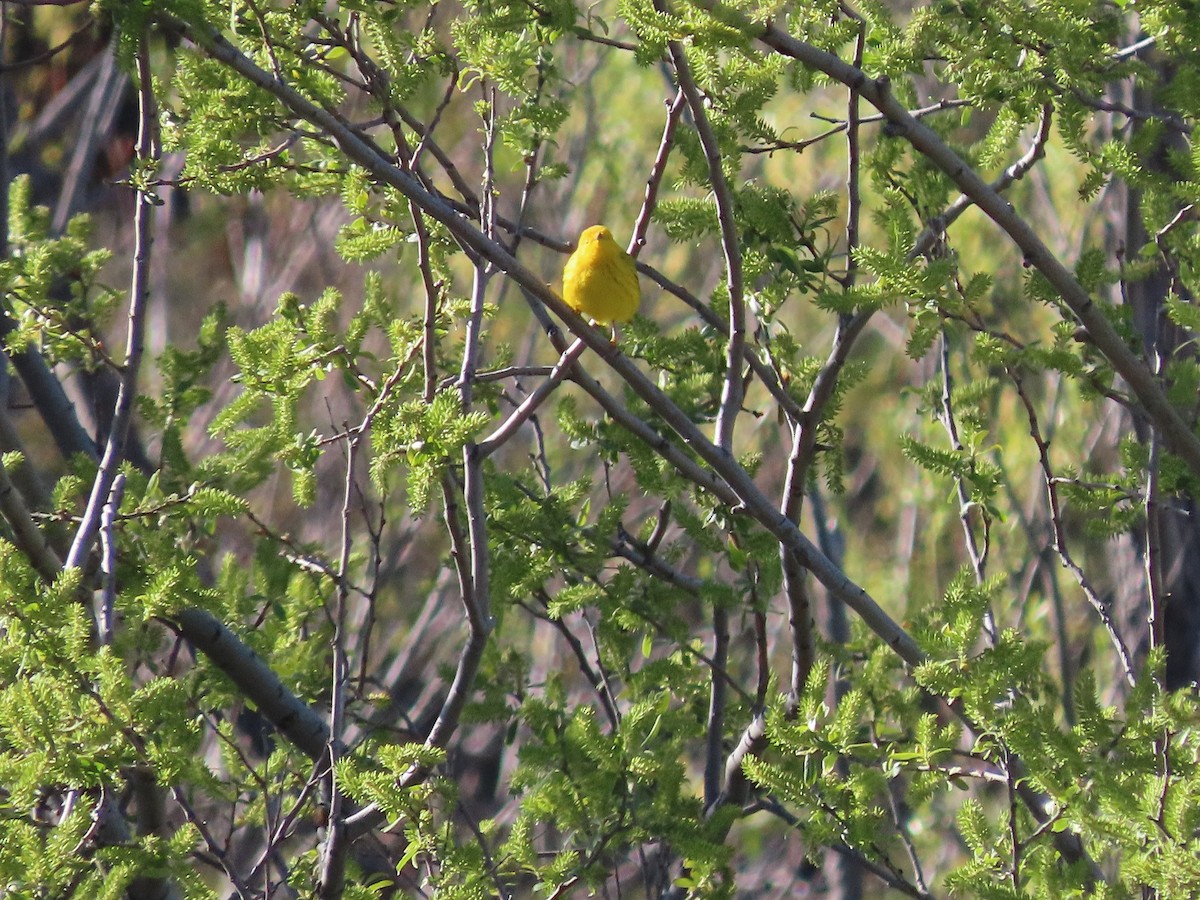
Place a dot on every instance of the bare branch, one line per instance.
(715, 724)
(733, 389)
(530, 404)
(105, 618)
(333, 853)
(254, 678)
(978, 556)
(1060, 538)
(139, 294)
(107, 89)
(657, 171)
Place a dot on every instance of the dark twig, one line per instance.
(47, 55)
(887, 874)
(1060, 537)
(1138, 115)
(476, 604)
(839, 127)
(25, 534)
(594, 674)
(657, 171)
(715, 723)
(914, 860)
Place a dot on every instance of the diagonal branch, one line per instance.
(657, 171)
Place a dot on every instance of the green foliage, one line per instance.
(598, 650)
(52, 288)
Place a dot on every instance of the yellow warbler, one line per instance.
(600, 279)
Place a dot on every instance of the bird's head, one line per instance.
(594, 234)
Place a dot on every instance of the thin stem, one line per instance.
(483, 270)
(1154, 569)
(530, 404)
(914, 860)
(1060, 537)
(733, 389)
(1013, 834)
(471, 556)
(105, 618)
(333, 856)
(139, 295)
(715, 726)
(657, 171)
(934, 230)
(25, 534)
(978, 556)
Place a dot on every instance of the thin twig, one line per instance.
(714, 727)
(595, 675)
(530, 404)
(840, 126)
(1172, 121)
(107, 89)
(657, 171)
(483, 269)
(1154, 546)
(936, 227)
(25, 534)
(333, 853)
(978, 555)
(139, 295)
(219, 858)
(733, 389)
(885, 873)
(47, 55)
(1013, 834)
(476, 604)
(1059, 533)
(914, 859)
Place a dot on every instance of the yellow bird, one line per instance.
(600, 279)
